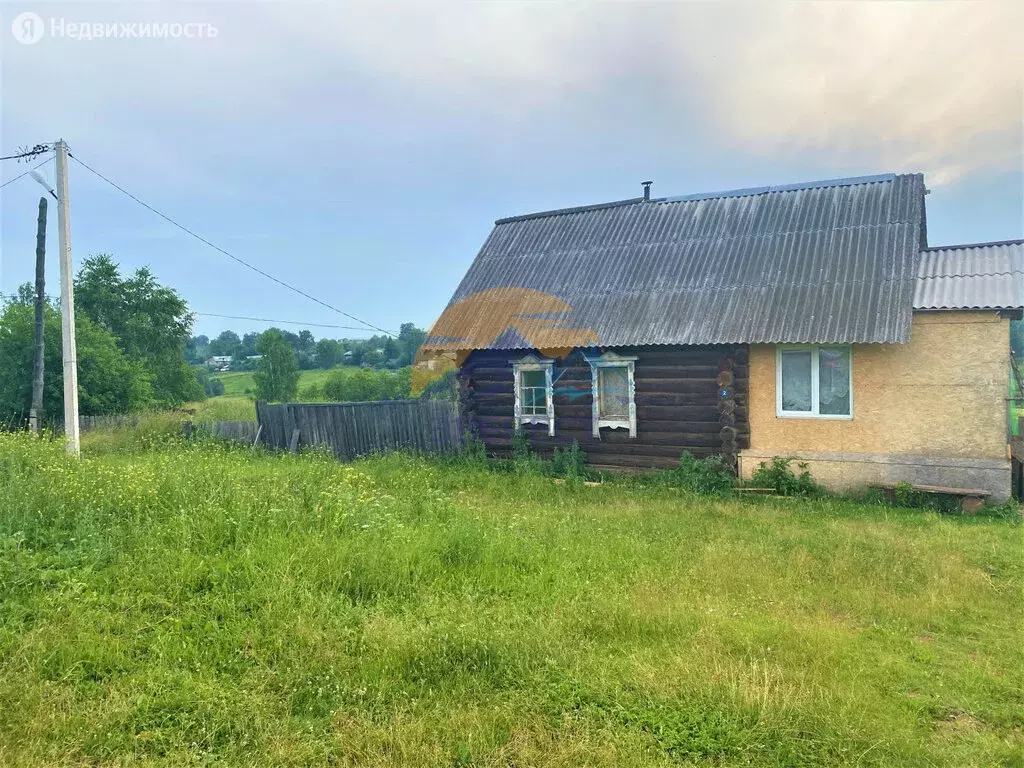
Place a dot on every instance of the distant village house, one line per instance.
(219, 363)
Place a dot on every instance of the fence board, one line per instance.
(356, 429)
(114, 421)
(242, 431)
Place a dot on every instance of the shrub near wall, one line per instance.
(779, 474)
(703, 476)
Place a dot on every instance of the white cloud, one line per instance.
(931, 86)
(904, 86)
(911, 85)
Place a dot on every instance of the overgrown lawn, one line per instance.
(183, 604)
(224, 408)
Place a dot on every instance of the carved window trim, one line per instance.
(534, 363)
(612, 360)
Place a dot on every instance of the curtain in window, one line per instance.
(534, 393)
(613, 393)
(834, 381)
(796, 380)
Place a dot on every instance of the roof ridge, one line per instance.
(848, 181)
(576, 209)
(973, 245)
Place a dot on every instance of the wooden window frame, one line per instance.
(815, 383)
(612, 360)
(534, 363)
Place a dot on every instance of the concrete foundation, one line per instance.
(840, 471)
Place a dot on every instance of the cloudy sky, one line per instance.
(363, 151)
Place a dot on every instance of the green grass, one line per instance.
(237, 382)
(236, 404)
(224, 408)
(174, 604)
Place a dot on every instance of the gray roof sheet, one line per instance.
(981, 276)
(831, 261)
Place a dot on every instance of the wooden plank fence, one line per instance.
(113, 421)
(242, 431)
(239, 431)
(15, 422)
(356, 429)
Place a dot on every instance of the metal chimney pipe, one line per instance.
(647, 189)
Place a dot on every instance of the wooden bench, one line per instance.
(971, 499)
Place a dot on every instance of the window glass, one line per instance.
(833, 381)
(796, 380)
(613, 392)
(533, 393)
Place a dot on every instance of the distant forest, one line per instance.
(378, 351)
(378, 368)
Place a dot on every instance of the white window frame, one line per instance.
(612, 360)
(534, 363)
(815, 391)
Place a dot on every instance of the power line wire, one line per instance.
(26, 173)
(287, 322)
(38, 149)
(51, 297)
(244, 263)
(15, 296)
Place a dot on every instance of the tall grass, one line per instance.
(224, 408)
(188, 603)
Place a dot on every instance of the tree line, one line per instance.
(136, 351)
(379, 351)
(276, 378)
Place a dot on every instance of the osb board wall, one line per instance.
(941, 394)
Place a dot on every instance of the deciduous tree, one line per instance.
(150, 321)
(277, 371)
(328, 353)
(108, 382)
(227, 344)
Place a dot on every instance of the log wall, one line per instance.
(679, 405)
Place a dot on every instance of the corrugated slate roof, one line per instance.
(980, 276)
(831, 261)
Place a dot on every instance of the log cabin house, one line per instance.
(808, 320)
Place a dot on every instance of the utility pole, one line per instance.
(67, 302)
(37, 367)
